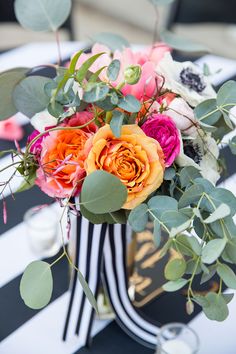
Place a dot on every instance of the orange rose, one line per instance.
(134, 158)
(62, 171)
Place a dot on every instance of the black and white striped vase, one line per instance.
(101, 253)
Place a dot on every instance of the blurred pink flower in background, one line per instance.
(11, 130)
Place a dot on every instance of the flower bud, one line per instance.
(189, 307)
(132, 74)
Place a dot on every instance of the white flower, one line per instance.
(185, 79)
(42, 120)
(183, 116)
(202, 153)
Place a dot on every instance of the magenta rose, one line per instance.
(162, 128)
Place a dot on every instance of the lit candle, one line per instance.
(176, 346)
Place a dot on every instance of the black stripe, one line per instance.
(14, 313)
(74, 276)
(17, 208)
(86, 275)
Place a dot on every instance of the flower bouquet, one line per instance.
(128, 136)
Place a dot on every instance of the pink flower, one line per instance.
(161, 128)
(81, 118)
(37, 145)
(10, 130)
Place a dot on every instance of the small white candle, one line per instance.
(176, 346)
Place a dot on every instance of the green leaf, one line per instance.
(8, 80)
(206, 107)
(175, 285)
(191, 195)
(232, 145)
(212, 251)
(130, 104)
(169, 174)
(96, 92)
(207, 185)
(219, 196)
(111, 40)
(227, 120)
(96, 218)
(227, 94)
(27, 183)
(103, 193)
(29, 96)
(181, 43)
(73, 62)
(188, 175)
(230, 250)
(221, 212)
(207, 276)
(120, 216)
(83, 70)
(138, 218)
(200, 300)
(55, 109)
(227, 297)
(157, 233)
(36, 285)
(191, 267)
(42, 15)
(227, 275)
(160, 204)
(95, 76)
(87, 291)
(190, 242)
(113, 70)
(175, 221)
(175, 269)
(116, 123)
(216, 307)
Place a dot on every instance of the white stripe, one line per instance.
(85, 320)
(35, 54)
(115, 299)
(15, 251)
(43, 333)
(122, 286)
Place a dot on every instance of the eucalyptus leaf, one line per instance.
(227, 94)
(157, 233)
(217, 197)
(188, 175)
(113, 70)
(29, 96)
(207, 276)
(103, 192)
(42, 15)
(116, 123)
(230, 250)
(227, 275)
(227, 120)
(212, 251)
(169, 174)
(191, 195)
(36, 285)
(175, 285)
(111, 40)
(130, 104)
(98, 91)
(96, 218)
(138, 218)
(175, 220)
(181, 43)
(87, 291)
(8, 80)
(219, 213)
(160, 204)
(216, 308)
(175, 269)
(205, 108)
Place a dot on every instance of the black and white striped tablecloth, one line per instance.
(24, 331)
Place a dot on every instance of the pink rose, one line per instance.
(10, 130)
(161, 128)
(37, 145)
(81, 118)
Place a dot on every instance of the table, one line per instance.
(24, 331)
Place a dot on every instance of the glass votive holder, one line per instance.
(42, 230)
(177, 338)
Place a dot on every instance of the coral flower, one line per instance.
(61, 171)
(134, 158)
